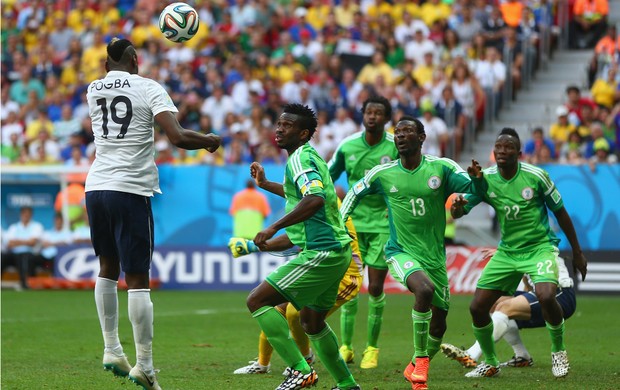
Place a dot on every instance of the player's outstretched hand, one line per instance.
(216, 141)
(580, 263)
(457, 209)
(474, 170)
(241, 246)
(261, 237)
(258, 173)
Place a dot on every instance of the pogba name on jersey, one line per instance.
(117, 83)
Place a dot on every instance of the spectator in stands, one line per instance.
(451, 111)
(51, 239)
(572, 150)
(12, 125)
(602, 154)
(66, 126)
(597, 134)
(560, 130)
(249, 208)
(341, 127)
(23, 237)
(604, 53)
(12, 149)
(494, 29)
(575, 102)
(491, 73)
(345, 12)
(467, 27)
(7, 105)
(405, 31)
(511, 11)
(436, 130)
(217, 106)
(81, 232)
(44, 149)
(20, 89)
(435, 10)
(416, 48)
(532, 150)
(589, 23)
(605, 89)
(73, 198)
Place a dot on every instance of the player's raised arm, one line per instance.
(258, 174)
(350, 201)
(183, 138)
(457, 209)
(566, 223)
(336, 164)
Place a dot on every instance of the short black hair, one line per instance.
(572, 88)
(117, 50)
(379, 100)
(511, 132)
(307, 117)
(418, 125)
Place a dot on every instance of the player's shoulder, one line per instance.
(389, 137)
(352, 139)
(381, 169)
(533, 172)
(443, 161)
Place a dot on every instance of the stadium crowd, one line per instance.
(445, 62)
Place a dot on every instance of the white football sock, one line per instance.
(513, 338)
(475, 352)
(140, 310)
(500, 325)
(106, 299)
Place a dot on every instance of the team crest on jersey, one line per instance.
(527, 193)
(385, 159)
(408, 265)
(434, 182)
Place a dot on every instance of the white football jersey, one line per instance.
(122, 107)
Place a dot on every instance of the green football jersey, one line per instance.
(307, 174)
(521, 206)
(416, 204)
(355, 157)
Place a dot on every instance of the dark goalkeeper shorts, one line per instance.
(566, 299)
(121, 226)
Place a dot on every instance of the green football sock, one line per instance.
(484, 336)
(433, 345)
(557, 336)
(348, 312)
(375, 318)
(276, 328)
(421, 322)
(325, 344)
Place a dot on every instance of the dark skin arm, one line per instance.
(258, 173)
(305, 209)
(278, 244)
(457, 208)
(183, 138)
(579, 260)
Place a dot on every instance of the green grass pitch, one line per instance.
(52, 340)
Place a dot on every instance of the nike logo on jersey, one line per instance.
(492, 195)
(393, 189)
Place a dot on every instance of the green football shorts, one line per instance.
(402, 265)
(312, 278)
(372, 249)
(505, 270)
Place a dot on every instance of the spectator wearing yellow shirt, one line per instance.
(40, 123)
(560, 130)
(375, 10)
(108, 15)
(93, 58)
(423, 73)
(317, 14)
(345, 12)
(605, 90)
(399, 7)
(377, 67)
(143, 30)
(286, 70)
(434, 10)
(76, 16)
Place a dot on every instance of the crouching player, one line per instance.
(348, 289)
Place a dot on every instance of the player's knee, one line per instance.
(312, 325)
(478, 311)
(375, 288)
(253, 302)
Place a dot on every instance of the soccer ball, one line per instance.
(179, 22)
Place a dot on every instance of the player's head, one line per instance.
(122, 55)
(507, 149)
(376, 111)
(409, 135)
(295, 127)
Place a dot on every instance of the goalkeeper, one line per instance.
(348, 289)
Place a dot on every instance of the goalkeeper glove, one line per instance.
(241, 246)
